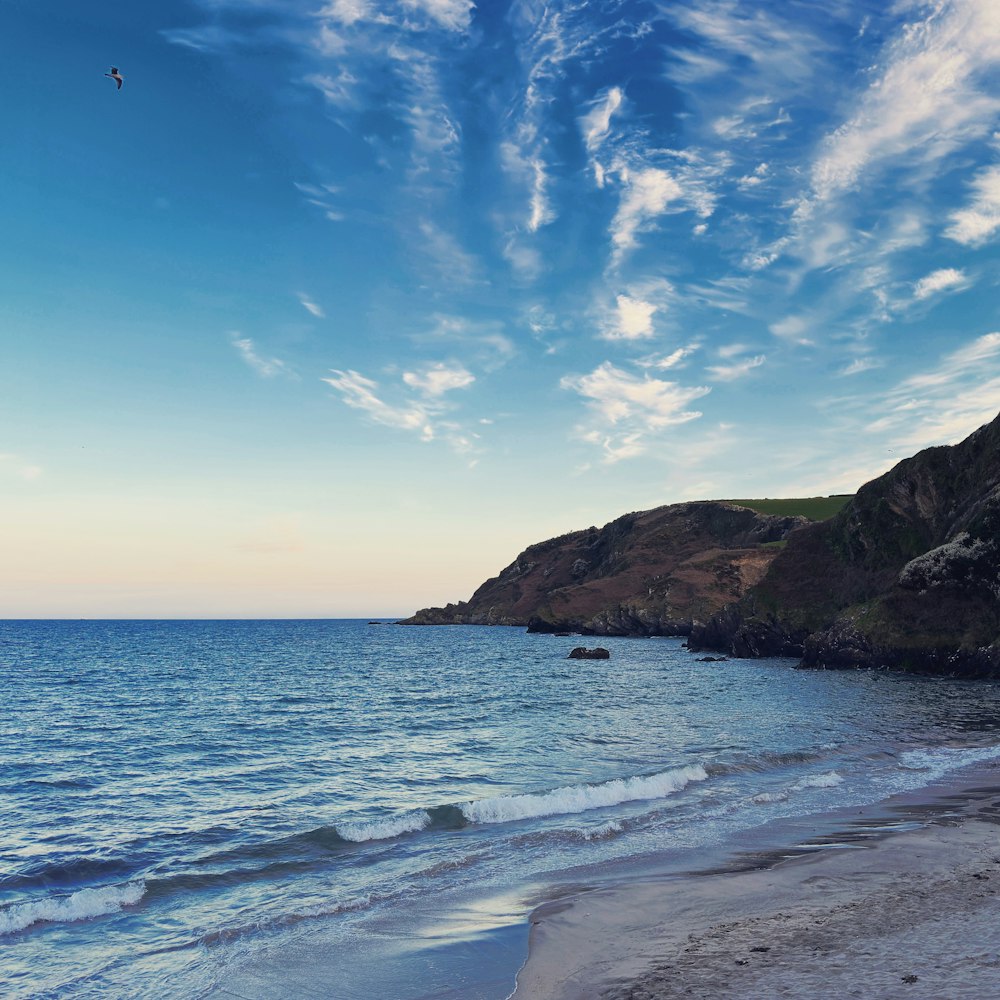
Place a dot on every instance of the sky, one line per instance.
(334, 307)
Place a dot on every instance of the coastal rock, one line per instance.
(654, 572)
(905, 577)
(582, 653)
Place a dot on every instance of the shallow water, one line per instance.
(183, 802)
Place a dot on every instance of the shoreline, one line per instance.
(900, 899)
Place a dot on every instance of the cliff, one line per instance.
(653, 572)
(906, 576)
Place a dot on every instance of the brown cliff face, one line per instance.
(653, 572)
(906, 576)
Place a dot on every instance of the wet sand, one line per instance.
(912, 914)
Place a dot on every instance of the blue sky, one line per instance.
(335, 307)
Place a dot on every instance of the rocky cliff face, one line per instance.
(906, 576)
(653, 572)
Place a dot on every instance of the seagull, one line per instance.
(116, 76)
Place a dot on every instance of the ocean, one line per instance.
(340, 809)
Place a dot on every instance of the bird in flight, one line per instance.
(116, 76)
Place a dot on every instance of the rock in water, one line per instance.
(582, 653)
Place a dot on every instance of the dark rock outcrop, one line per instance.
(906, 576)
(653, 572)
(582, 653)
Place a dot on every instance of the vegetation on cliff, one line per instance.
(906, 575)
(651, 572)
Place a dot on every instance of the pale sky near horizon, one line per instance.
(336, 306)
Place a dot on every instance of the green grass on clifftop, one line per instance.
(815, 508)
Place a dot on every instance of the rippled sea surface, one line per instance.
(178, 800)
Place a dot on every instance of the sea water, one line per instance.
(344, 809)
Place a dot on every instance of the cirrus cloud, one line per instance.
(437, 379)
(944, 279)
(628, 409)
(980, 219)
(422, 414)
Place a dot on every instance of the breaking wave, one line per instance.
(385, 829)
(580, 798)
(827, 780)
(940, 760)
(80, 905)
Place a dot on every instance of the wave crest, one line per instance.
(385, 829)
(80, 905)
(827, 780)
(580, 798)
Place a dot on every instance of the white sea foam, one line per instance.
(762, 798)
(940, 760)
(80, 905)
(385, 829)
(603, 831)
(947, 758)
(827, 780)
(579, 798)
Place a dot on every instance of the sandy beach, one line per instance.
(876, 913)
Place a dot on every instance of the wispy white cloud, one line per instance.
(688, 66)
(753, 33)
(437, 379)
(359, 393)
(554, 42)
(859, 365)
(628, 409)
(735, 370)
(206, 38)
(454, 15)
(646, 193)
(311, 306)
(731, 350)
(422, 414)
(596, 123)
(943, 280)
(439, 250)
(976, 223)
(14, 465)
(547, 40)
(425, 106)
(530, 169)
(793, 329)
(265, 367)
(481, 342)
(665, 361)
(595, 126)
(348, 12)
(929, 98)
(340, 91)
(729, 294)
(385, 70)
(410, 15)
(758, 176)
(322, 197)
(944, 403)
(755, 117)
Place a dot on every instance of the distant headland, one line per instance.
(904, 575)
